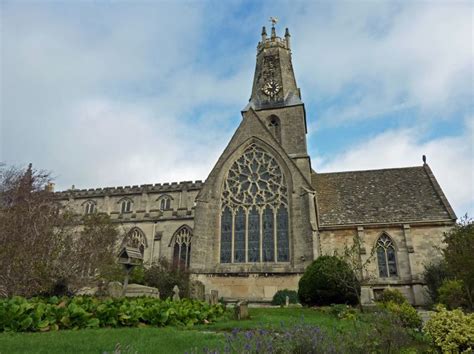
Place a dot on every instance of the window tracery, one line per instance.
(89, 207)
(182, 247)
(254, 212)
(125, 206)
(386, 258)
(165, 202)
(136, 239)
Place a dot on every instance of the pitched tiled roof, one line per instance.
(380, 196)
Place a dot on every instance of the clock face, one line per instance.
(271, 88)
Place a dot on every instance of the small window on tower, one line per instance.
(274, 127)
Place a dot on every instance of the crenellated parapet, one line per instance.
(131, 190)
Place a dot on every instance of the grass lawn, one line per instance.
(157, 340)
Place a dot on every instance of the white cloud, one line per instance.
(450, 158)
(377, 57)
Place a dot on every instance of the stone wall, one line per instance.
(252, 287)
(416, 246)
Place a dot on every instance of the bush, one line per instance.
(407, 314)
(343, 312)
(164, 276)
(452, 294)
(320, 284)
(451, 331)
(279, 298)
(21, 315)
(392, 295)
(434, 275)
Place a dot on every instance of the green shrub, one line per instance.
(434, 275)
(392, 295)
(407, 314)
(321, 283)
(279, 298)
(21, 315)
(451, 331)
(453, 294)
(343, 312)
(164, 276)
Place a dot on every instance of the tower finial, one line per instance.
(274, 21)
(264, 34)
(287, 37)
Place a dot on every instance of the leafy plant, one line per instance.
(407, 314)
(279, 299)
(434, 275)
(343, 312)
(451, 331)
(164, 276)
(452, 293)
(392, 295)
(38, 314)
(319, 285)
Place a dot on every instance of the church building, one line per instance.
(263, 214)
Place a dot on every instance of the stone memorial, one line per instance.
(214, 299)
(241, 310)
(176, 293)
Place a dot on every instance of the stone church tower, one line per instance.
(255, 224)
(263, 214)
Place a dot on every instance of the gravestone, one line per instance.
(207, 298)
(136, 290)
(287, 301)
(241, 310)
(214, 299)
(114, 289)
(176, 293)
(197, 290)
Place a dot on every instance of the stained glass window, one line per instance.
(254, 235)
(386, 258)
(226, 236)
(254, 191)
(182, 247)
(268, 237)
(283, 243)
(239, 236)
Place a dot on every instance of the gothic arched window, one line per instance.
(165, 202)
(182, 247)
(274, 126)
(136, 238)
(125, 205)
(90, 207)
(254, 212)
(386, 259)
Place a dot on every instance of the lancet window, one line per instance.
(274, 126)
(386, 258)
(254, 213)
(182, 247)
(125, 206)
(90, 207)
(165, 202)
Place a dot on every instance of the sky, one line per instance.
(110, 93)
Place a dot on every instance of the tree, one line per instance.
(351, 255)
(459, 252)
(41, 243)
